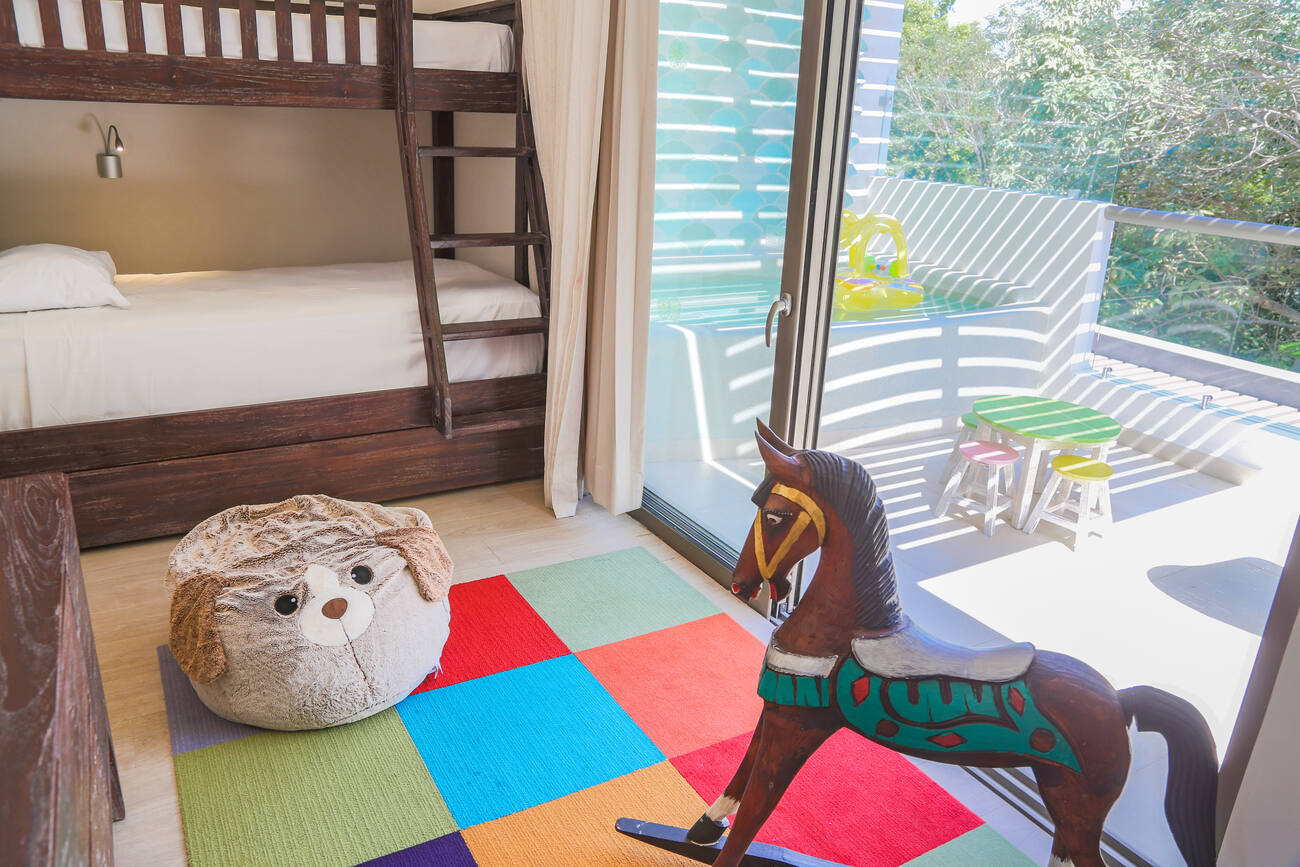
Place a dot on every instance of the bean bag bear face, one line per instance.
(308, 613)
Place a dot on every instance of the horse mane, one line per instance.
(847, 488)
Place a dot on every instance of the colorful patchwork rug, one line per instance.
(571, 695)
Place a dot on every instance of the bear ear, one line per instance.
(425, 554)
(193, 639)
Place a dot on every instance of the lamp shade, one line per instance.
(110, 165)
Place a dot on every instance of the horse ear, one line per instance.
(773, 440)
(781, 466)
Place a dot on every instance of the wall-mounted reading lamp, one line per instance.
(110, 164)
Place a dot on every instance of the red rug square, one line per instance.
(493, 629)
(687, 686)
(854, 802)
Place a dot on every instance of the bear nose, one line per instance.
(335, 608)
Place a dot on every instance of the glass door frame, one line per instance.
(818, 168)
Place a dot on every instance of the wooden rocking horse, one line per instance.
(848, 656)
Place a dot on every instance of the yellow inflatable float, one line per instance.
(868, 287)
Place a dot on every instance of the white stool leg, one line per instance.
(950, 487)
(1046, 475)
(990, 499)
(1010, 470)
(970, 472)
(1103, 501)
(962, 435)
(1043, 501)
(1083, 527)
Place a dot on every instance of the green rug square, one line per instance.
(980, 845)
(607, 598)
(328, 798)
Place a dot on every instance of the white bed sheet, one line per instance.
(209, 339)
(471, 45)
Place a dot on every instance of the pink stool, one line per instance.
(974, 456)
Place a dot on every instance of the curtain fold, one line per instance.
(591, 70)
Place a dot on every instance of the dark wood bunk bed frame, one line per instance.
(150, 476)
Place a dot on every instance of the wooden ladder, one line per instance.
(531, 228)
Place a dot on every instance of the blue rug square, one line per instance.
(509, 741)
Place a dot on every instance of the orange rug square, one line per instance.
(687, 686)
(579, 828)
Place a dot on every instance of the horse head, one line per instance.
(789, 526)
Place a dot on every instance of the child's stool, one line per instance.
(1093, 480)
(995, 460)
(969, 423)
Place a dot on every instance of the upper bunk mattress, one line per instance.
(210, 339)
(476, 46)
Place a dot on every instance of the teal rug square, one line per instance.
(980, 845)
(607, 598)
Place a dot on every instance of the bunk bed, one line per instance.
(398, 434)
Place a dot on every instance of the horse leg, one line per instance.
(1078, 813)
(712, 825)
(790, 735)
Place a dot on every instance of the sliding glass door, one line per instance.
(728, 83)
(998, 239)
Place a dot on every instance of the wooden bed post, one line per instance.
(417, 213)
(530, 197)
(444, 180)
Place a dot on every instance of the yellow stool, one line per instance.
(1056, 506)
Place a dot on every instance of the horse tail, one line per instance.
(1191, 790)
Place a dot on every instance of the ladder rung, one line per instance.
(498, 328)
(485, 239)
(506, 419)
(466, 151)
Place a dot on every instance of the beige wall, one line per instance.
(211, 187)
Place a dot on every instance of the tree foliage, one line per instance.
(1190, 106)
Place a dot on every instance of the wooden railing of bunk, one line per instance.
(55, 71)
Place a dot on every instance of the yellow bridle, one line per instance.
(811, 514)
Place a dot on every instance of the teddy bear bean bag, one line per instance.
(308, 613)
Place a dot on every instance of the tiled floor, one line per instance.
(1174, 594)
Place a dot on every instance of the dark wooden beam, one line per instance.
(93, 445)
(443, 178)
(495, 11)
(146, 500)
(53, 73)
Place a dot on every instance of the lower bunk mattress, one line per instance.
(211, 339)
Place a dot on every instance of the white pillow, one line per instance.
(48, 276)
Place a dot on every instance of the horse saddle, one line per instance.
(911, 652)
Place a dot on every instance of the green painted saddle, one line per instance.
(911, 691)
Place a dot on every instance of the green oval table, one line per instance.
(1041, 425)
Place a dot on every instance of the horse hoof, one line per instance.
(706, 832)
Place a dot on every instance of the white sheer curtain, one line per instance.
(591, 68)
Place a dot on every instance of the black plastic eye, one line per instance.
(362, 574)
(287, 604)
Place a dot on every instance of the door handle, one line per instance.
(780, 305)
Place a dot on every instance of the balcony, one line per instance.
(1174, 594)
